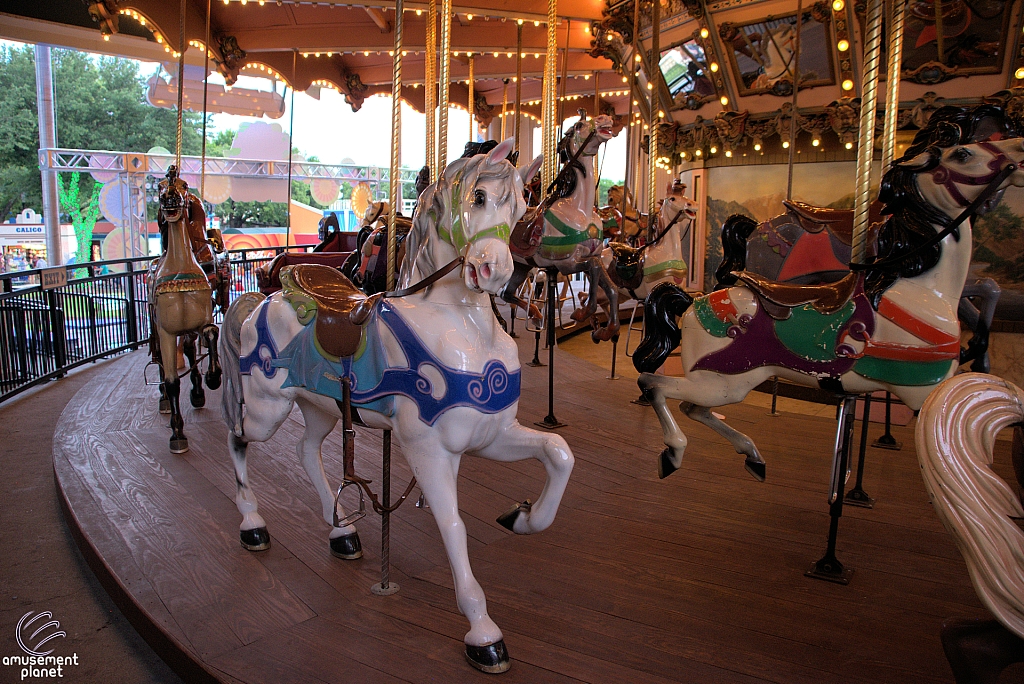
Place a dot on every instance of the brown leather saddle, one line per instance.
(268, 277)
(628, 271)
(826, 298)
(342, 308)
(525, 238)
(839, 222)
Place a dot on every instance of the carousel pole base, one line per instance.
(381, 590)
(858, 497)
(641, 401)
(550, 423)
(887, 442)
(830, 569)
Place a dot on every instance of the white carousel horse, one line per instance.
(778, 47)
(181, 304)
(956, 433)
(571, 238)
(891, 325)
(433, 366)
(637, 270)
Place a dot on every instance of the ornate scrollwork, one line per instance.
(843, 116)
(731, 128)
(484, 112)
(104, 13)
(355, 90)
(1012, 102)
(232, 58)
(930, 73)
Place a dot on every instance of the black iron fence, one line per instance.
(48, 328)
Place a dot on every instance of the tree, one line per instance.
(83, 220)
(101, 105)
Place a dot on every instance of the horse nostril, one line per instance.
(485, 270)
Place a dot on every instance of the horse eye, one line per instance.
(479, 198)
(962, 154)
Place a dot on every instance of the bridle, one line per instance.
(948, 179)
(665, 230)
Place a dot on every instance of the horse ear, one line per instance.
(501, 151)
(919, 162)
(530, 170)
(946, 134)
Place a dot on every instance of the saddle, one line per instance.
(525, 238)
(341, 307)
(838, 221)
(629, 266)
(826, 298)
(268, 277)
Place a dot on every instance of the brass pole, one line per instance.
(443, 85)
(395, 177)
(504, 108)
(796, 91)
(206, 88)
(550, 104)
(565, 76)
(430, 87)
(892, 89)
(940, 40)
(629, 178)
(181, 84)
(652, 150)
(519, 83)
(471, 107)
(597, 94)
(866, 139)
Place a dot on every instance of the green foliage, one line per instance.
(999, 242)
(100, 105)
(83, 213)
(602, 190)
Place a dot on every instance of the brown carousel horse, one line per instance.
(181, 303)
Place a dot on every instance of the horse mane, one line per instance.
(566, 184)
(911, 219)
(955, 435)
(435, 206)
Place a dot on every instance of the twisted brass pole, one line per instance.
(892, 86)
(443, 81)
(395, 177)
(430, 87)
(866, 139)
(181, 79)
(629, 178)
(504, 109)
(519, 83)
(550, 104)
(795, 73)
(471, 106)
(206, 89)
(652, 78)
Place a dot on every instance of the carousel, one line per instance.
(821, 204)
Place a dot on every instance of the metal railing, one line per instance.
(102, 311)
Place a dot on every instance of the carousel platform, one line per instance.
(696, 578)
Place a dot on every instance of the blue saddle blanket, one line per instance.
(374, 384)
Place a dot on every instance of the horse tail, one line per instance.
(735, 232)
(955, 436)
(661, 331)
(229, 348)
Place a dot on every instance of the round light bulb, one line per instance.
(785, 144)
(696, 153)
(725, 101)
(728, 153)
(847, 84)
(838, 5)
(1019, 73)
(714, 67)
(757, 147)
(704, 33)
(815, 142)
(843, 45)
(849, 145)
(713, 149)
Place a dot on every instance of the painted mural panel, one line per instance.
(965, 37)
(763, 53)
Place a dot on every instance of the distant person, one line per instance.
(30, 258)
(40, 262)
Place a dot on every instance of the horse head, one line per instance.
(471, 208)
(174, 197)
(600, 126)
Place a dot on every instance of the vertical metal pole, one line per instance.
(866, 139)
(206, 89)
(291, 128)
(775, 396)
(549, 99)
(565, 77)
(892, 85)
(654, 79)
(550, 422)
(443, 83)
(857, 496)
(887, 441)
(629, 179)
(395, 175)
(796, 91)
(504, 121)
(519, 84)
(430, 88)
(48, 141)
(386, 587)
(181, 84)
(471, 106)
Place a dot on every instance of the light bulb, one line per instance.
(757, 147)
(849, 145)
(815, 142)
(838, 5)
(725, 101)
(713, 149)
(704, 33)
(847, 84)
(714, 67)
(785, 144)
(843, 45)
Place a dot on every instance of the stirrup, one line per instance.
(351, 517)
(631, 329)
(145, 373)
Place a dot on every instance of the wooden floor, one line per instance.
(697, 578)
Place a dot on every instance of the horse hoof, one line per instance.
(257, 539)
(492, 658)
(508, 520)
(179, 446)
(197, 399)
(665, 465)
(755, 468)
(213, 380)
(165, 406)
(348, 547)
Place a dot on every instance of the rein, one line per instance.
(947, 178)
(663, 233)
(429, 280)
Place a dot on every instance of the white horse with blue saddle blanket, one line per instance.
(433, 365)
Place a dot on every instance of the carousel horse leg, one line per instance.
(604, 281)
(172, 388)
(344, 541)
(754, 463)
(436, 470)
(197, 397)
(979, 650)
(210, 336)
